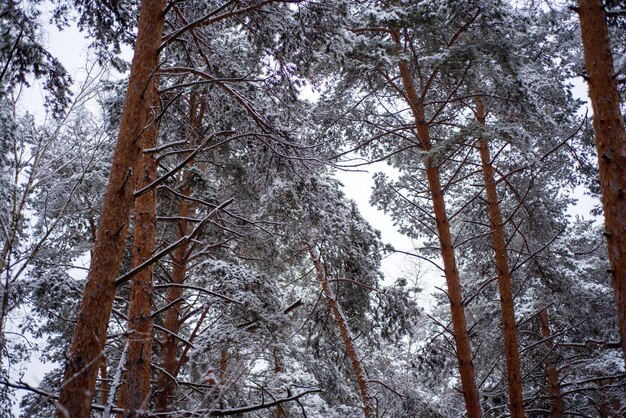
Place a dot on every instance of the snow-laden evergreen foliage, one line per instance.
(267, 278)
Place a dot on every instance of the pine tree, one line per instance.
(609, 129)
(22, 54)
(250, 281)
(90, 334)
(511, 343)
(140, 321)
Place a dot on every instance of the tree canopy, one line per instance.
(177, 242)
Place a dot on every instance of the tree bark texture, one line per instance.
(609, 128)
(552, 374)
(278, 368)
(451, 273)
(140, 323)
(90, 333)
(169, 360)
(105, 386)
(346, 335)
(224, 356)
(498, 239)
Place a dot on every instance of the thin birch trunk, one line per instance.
(610, 142)
(507, 307)
(346, 335)
(90, 334)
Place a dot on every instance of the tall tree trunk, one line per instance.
(221, 378)
(616, 404)
(105, 385)
(169, 360)
(346, 335)
(278, 368)
(610, 136)
(223, 365)
(451, 273)
(164, 390)
(137, 387)
(95, 309)
(603, 409)
(509, 328)
(457, 309)
(603, 406)
(552, 374)
(6, 289)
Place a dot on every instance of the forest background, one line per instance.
(249, 283)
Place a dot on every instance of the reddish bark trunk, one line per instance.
(105, 387)
(616, 404)
(609, 128)
(603, 407)
(169, 360)
(509, 328)
(603, 410)
(552, 374)
(164, 391)
(457, 309)
(223, 365)
(278, 368)
(95, 309)
(137, 386)
(346, 335)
